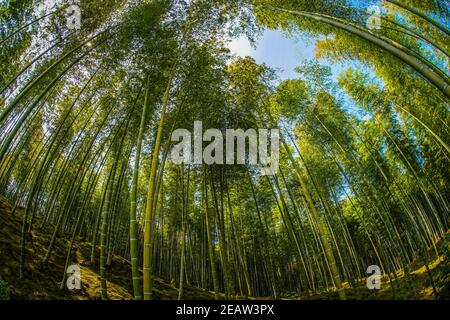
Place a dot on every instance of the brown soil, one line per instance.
(42, 282)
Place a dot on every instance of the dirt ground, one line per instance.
(42, 281)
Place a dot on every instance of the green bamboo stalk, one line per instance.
(133, 222)
(427, 73)
(148, 285)
(323, 233)
(422, 15)
(212, 257)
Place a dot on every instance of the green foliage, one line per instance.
(364, 169)
(4, 290)
(441, 274)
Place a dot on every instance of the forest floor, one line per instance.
(42, 281)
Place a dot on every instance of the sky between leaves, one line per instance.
(284, 53)
(281, 52)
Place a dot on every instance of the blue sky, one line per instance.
(283, 53)
(280, 51)
(276, 50)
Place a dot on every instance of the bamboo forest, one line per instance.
(120, 177)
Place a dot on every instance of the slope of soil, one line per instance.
(42, 281)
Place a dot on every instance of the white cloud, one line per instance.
(240, 47)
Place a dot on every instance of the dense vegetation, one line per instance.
(86, 118)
